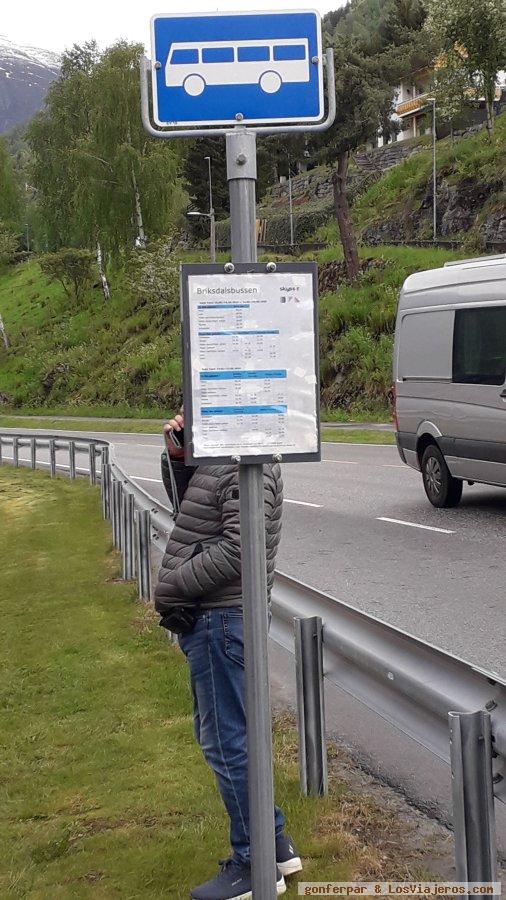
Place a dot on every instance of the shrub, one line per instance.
(8, 245)
(72, 268)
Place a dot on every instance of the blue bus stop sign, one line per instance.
(230, 68)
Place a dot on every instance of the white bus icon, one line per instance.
(268, 63)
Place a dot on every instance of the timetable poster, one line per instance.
(253, 364)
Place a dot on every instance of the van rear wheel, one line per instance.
(442, 489)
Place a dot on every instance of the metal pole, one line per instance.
(310, 706)
(434, 170)
(33, 453)
(473, 796)
(15, 451)
(1, 449)
(121, 529)
(241, 174)
(212, 219)
(128, 522)
(105, 483)
(93, 464)
(290, 197)
(144, 553)
(72, 459)
(116, 512)
(52, 457)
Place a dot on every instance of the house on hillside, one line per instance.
(412, 107)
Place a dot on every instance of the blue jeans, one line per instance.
(215, 654)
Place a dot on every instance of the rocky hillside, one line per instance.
(391, 192)
(25, 75)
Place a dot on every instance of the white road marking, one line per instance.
(344, 462)
(414, 525)
(143, 478)
(152, 446)
(303, 503)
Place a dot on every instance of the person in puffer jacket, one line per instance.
(201, 572)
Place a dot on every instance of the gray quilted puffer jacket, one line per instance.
(202, 561)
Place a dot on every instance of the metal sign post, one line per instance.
(241, 175)
(237, 70)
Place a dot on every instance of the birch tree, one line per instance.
(102, 183)
(476, 28)
(10, 193)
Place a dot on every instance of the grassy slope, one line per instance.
(401, 190)
(103, 791)
(95, 357)
(356, 329)
(122, 358)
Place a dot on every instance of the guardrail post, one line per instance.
(105, 488)
(144, 553)
(128, 523)
(93, 464)
(473, 796)
(310, 706)
(72, 459)
(15, 451)
(117, 489)
(33, 453)
(52, 457)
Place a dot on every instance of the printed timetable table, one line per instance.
(253, 364)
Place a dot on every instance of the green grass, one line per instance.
(339, 435)
(130, 426)
(122, 358)
(103, 790)
(357, 436)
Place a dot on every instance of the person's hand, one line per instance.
(174, 425)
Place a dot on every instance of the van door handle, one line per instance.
(503, 394)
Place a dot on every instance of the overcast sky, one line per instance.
(56, 24)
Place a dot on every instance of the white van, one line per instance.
(450, 376)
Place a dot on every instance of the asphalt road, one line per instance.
(439, 574)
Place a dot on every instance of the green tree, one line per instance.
(376, 43)
(102, 183)
(8, 245)
(478, 29)
(72, 268)
(10, 192)
(451, 88)
(361, 95)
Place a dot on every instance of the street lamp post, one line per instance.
(196, 214)
(212, 219)
(290, 199)
(434, 169)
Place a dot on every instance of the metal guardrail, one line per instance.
(454, 709)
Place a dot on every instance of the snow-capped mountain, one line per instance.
(25, 75)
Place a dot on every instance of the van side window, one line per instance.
(479, 346)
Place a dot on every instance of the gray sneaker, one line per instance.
(232, 883)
